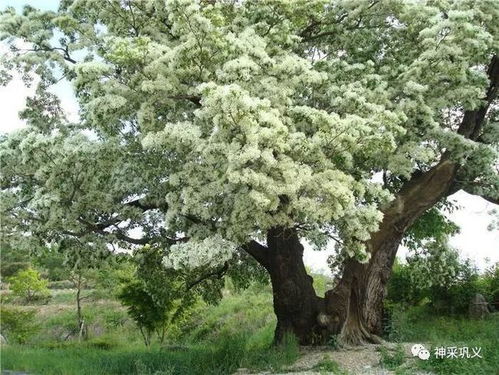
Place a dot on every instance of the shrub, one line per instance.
(17, 325)
(450, 295)
(27, 284)
(10, 269)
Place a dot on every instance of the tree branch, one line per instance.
(473, 120)
(145, 206)
(218, 273)
(258, 251)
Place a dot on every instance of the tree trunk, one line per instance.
(364, 285)
(416, 196)
(298, 309)
(78, 284)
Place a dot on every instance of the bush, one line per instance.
(17, 325)
(454, 298)
(10, 269)
(28, 285)
(451, 296)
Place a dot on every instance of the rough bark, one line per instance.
(298, 309)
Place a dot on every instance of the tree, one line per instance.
(222, 129)
(81, 267)
(27, 284)
(12, 261)
(157, 297)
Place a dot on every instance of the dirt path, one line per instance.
(364, 360)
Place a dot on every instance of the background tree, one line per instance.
(219, 129)
(28, 285)
(12, 261)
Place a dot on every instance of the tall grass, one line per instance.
(420, 326)
(219, 339)
(224, 357)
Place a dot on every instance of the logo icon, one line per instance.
(420, 351)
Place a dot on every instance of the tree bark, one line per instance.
(364, 285)
(296, 305)
(298, 309)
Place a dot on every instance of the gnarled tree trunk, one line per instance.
(416, 196)
(296, 305)
(365, 284)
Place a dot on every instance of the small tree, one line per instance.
(157, 297)
(148, 315)
(17, 325)
(82, 264)
(29, 285)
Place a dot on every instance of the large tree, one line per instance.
(216, 129)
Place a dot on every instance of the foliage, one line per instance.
(442, 280)
(148, 315)
(29, 285)
(208, 124)
(157, 297)
(52, 263)
(12, 260)
(17, 325)
(434, 225)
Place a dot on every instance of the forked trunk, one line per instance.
(364, 285)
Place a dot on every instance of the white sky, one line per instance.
(474, 241)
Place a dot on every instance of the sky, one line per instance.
(474, 241)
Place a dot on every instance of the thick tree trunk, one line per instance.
(298, 309)
(364, 285)
(296, 305)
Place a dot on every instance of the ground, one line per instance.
(364, 360)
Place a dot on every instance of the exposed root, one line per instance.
(357, 335)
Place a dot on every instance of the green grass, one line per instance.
(216, 340)
(62, 296)
(419, 325)
(225, 357)
(328, 366)
(392, 359)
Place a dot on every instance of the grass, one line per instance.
(216, 340)
(328, 366)
(225, 357)
(420, 326)
(392, 360)
(237, 333)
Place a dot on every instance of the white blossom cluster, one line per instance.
(232, 118)
(206, 253)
